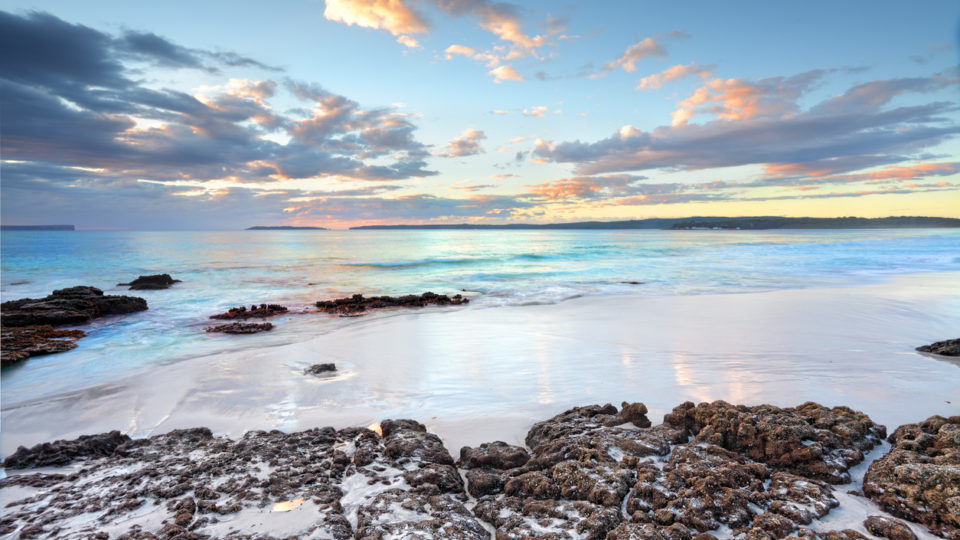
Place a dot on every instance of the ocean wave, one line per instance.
(419, 263)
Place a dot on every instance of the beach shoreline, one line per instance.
(482, 374)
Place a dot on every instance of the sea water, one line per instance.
(495, 268)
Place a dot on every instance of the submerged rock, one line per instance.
(21, 342)
(156, 281)
(319, 369)
(262, 311)
(950, 347)
(240, 328)
(919, 479)
(358, 304)
(74, 305)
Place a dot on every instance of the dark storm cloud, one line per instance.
(70, 97)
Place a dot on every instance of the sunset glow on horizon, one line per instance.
(371, 112)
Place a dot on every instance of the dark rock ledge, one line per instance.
(27, 323)
(950, 347)
(592, 472)
(358, 304)
(254, 312)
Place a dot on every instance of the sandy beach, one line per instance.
(474, 375)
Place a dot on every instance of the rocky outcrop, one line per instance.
(349, 483)
(65, 452)
(75, 305)
(154, 282)
(358, 304)
(240, 328)
(26, 325)
(260, 312)
(21, 342)
(950, 347)
(595, 472)
(810, 440)
(919, 479)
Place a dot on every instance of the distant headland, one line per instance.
(37, 228)
(710, 223)
(284, 228)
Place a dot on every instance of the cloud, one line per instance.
(82, 81)
(500, 19)
(539, 111)
(738, 99)
(409, 42)
(394, 16)
(465, 145)
(505, 73)
(677, 72)
(644, 48)
(499, 112)
(461, 50)
(590, 187)
(760, 122)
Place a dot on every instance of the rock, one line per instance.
(75, 305)
(64, 452)
(319, 369)
(533, 484)
(357, 304)
(809, 440)
(892, 529)
(845, 534)
(20, 342)
(240, 328)
(482, 482)
(433, 479)
(701, 487)
(950, 347)
(262, 311)
(156, 281)
(398, 514)
(800, 499)
(919, 479)
(591, 472)
(517, 518)
(407, 440)
(495, 455)
(649, 531)
(194, 483)
(633, 413)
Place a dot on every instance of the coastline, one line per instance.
(474, 375)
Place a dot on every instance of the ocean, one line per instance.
(496, 268)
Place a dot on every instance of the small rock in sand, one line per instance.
(319, 369)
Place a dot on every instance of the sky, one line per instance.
(337, 113)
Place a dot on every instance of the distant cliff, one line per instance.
(766, 223)
(284, 228)
(732, 223)
(37, 228)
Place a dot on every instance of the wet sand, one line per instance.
(474, 375)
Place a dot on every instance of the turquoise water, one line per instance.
(296, 268)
